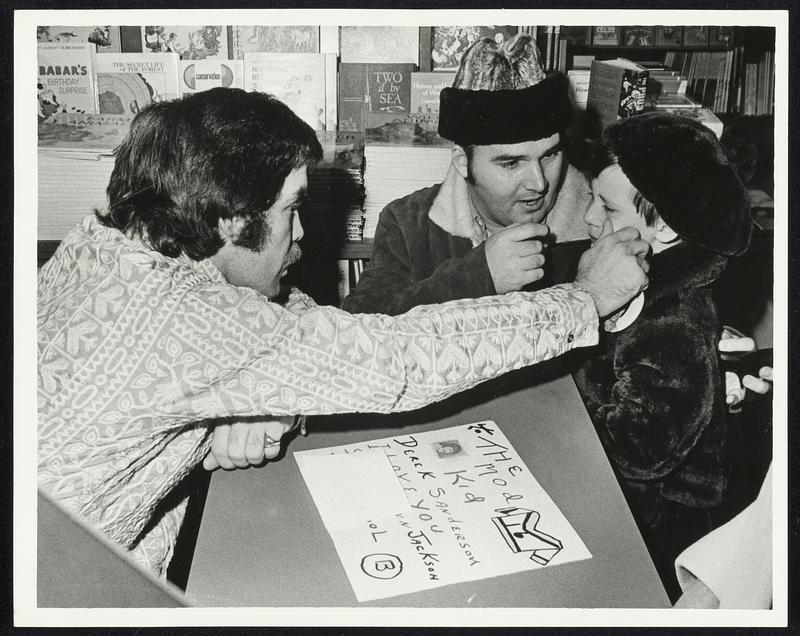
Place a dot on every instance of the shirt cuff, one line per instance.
(583, 323)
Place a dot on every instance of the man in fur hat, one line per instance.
(481, 231)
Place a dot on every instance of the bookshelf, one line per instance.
(433, 51)
(730, 56)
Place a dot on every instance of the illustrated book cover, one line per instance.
(450, 42)
(669, 35)
(425, 89)
(639, 36)
(306, 82)
(105, 38)
(695, 35)
(127, 82)
(66, 78)
(371, 95)
(273, 39)
(617, 89)
(606, 35)
(201, 75)
(379, 44)
(190, 42)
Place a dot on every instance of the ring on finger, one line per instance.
(270, 442)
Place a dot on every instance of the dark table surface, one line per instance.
(262, 542)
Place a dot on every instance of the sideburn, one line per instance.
(255, 233)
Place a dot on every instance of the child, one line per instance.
(654, 392)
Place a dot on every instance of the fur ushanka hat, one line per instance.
(501, 95)
(680, 167)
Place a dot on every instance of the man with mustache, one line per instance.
(481, 231)
(165, 340)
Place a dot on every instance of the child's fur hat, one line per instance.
(501, 95)
(680, 167)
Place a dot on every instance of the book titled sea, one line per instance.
(371, 95)
(202, 75)
(306, 82)
(617, 89)
(127, 82)
(66, 81)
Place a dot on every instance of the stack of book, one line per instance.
(74, 148)
(711, 76)
(336, 189)
(394, 170)
(404, 152)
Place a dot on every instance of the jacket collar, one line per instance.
(452, 210)
(683, 266)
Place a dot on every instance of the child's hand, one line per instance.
(762, 384)
(734, 343)
(736, 391)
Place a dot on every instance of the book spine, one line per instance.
(750, 93)
(548, 56)
(562, 55)
(727, 83)
(425, 48)
(602, 102)
(771, 84)
(331, 91)
(691, 74)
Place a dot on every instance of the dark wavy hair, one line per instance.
(187, 163)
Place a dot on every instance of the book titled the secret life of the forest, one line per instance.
(127, 82)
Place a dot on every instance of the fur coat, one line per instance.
(655, 392)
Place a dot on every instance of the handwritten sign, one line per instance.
(420, 511)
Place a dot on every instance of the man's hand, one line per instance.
(248, 443)
(614, 269)
(515, 256)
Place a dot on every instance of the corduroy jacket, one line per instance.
(416, 261)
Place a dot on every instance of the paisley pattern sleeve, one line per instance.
(139, 356)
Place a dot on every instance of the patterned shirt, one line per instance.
(139, 354)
